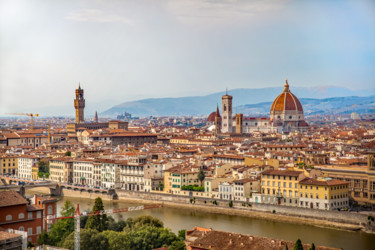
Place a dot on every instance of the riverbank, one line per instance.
(251, 214)
(327, 219)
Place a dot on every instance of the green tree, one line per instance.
(117, 226)
(177, 245)
(43, 239)
(98, 222)
(62, 228)
(149, 237)
(231, 204)
(117, 240)
(147, 220)
(30, 245)
(298, 245)
(181, 234)
(201, 176)
(90, 240)
(43, 166)
(68, 153)
(312, 247)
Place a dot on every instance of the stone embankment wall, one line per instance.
(84, 194)
(343, 220)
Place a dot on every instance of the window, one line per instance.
(8, 217)
(30, 215)
(49, 209)
(30, 231)
(38, 214)
(21, 228)
(21, 215)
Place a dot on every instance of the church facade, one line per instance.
(286, 115)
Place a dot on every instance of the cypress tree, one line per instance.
(97, 222)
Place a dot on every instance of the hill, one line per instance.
(252, 101)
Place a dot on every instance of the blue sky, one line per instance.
(127, 50)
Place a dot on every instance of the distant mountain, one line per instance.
(336, 105)
(243, 100)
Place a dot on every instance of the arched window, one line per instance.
(21, 228)
(49, 209)
(8, 217)
(21, 215)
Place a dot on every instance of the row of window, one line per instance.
(279, 184)
(9, 217)
(279, 177)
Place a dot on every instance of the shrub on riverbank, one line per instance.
(193, 188)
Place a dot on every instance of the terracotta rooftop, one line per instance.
(11, 198)
(310, 181)
(282, 172)
(219, 240)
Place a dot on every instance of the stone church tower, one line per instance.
(226, 122)
(217, 121)
(79, 105)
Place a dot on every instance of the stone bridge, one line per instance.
(55, 189)
(111, 193)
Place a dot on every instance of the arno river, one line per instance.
(177, 219)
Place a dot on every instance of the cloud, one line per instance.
(218, 12)
(97, 16)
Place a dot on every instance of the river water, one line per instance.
(177, 219)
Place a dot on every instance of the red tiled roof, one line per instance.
(11, 198)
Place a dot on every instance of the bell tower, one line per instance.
(226, 122)
(79, 105)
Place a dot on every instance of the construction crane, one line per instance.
(27, 114)
(77, 218)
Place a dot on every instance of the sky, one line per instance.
(132, 49)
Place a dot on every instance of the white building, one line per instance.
(131, 175)
(109, 171)
(83, 172)
(25, 164)
(226, 191)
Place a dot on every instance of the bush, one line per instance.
(193, 188)
(273, 211)
(230, 204)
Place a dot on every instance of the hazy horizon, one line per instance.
(129, 50)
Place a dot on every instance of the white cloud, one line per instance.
(192, 12)
(97, 16)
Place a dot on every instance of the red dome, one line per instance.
(211, 117)
(286, 101)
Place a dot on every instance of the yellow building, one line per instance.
(34, 172)
(9, 164)
(327, 194)
(361, 179)
(61, 170)
(280, 187)
(189, 178)
(172, 180)
(256, 161)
